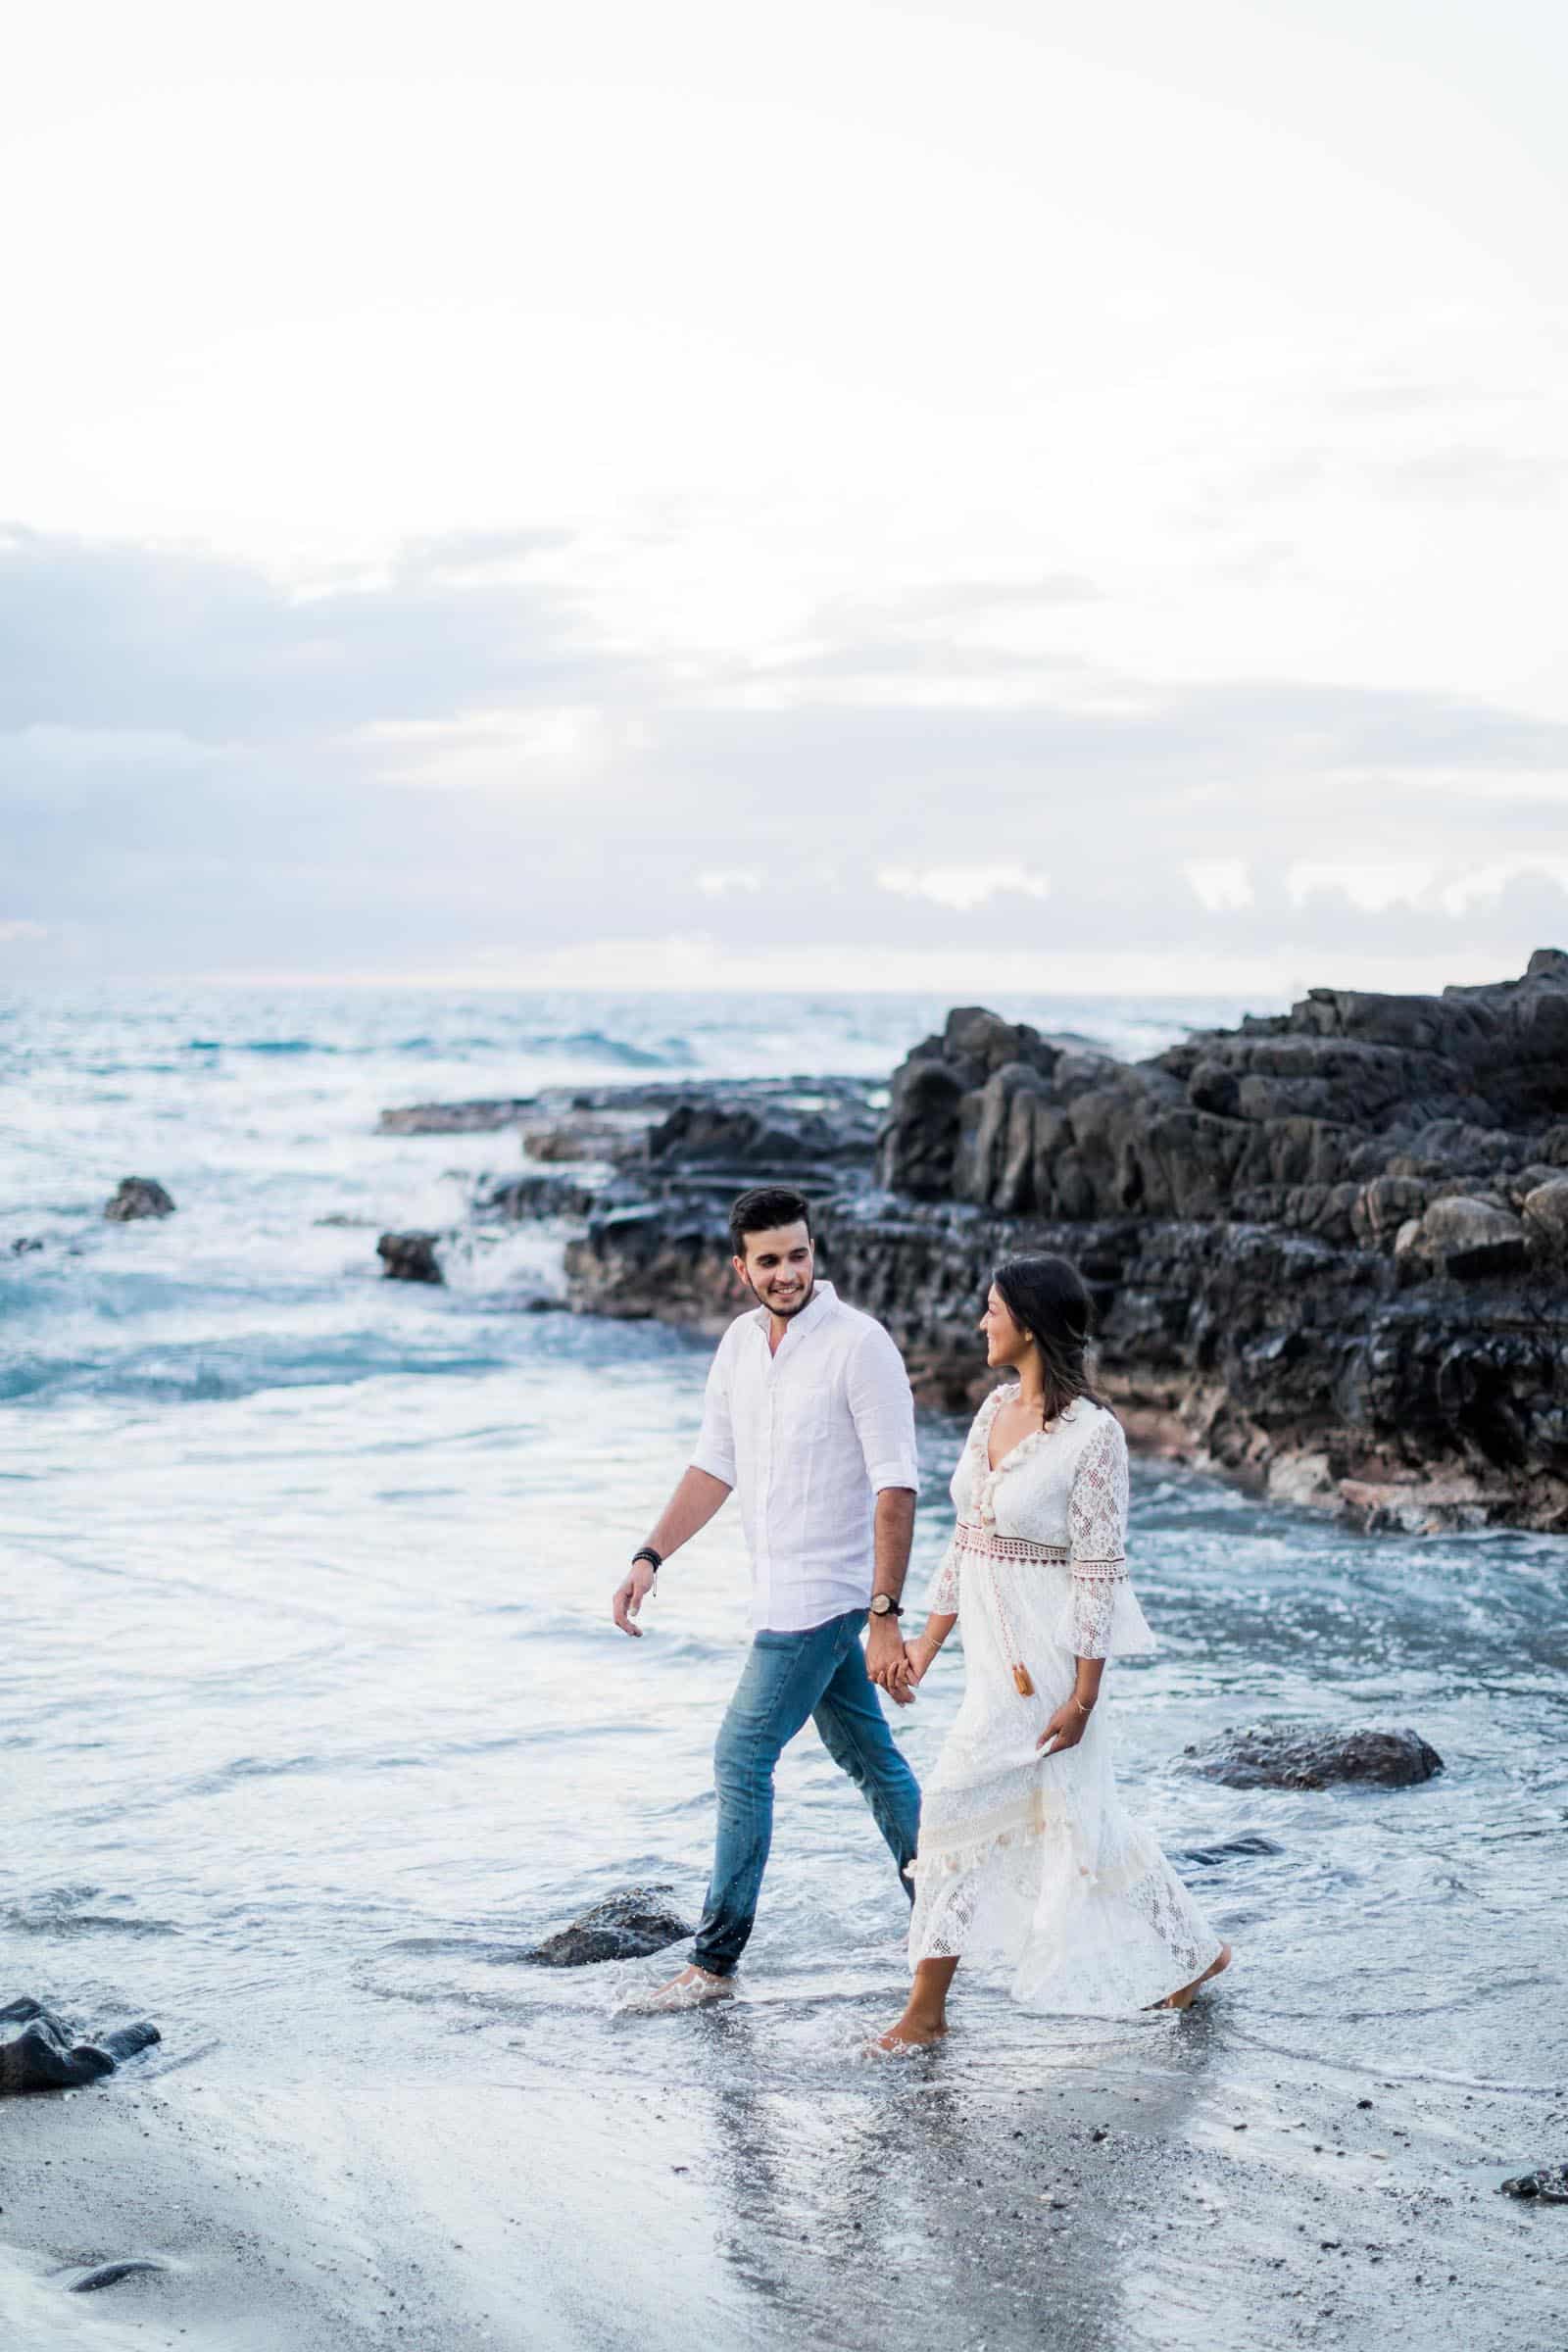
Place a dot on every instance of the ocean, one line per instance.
(312, 1718)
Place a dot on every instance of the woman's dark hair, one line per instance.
(761, 1210)
(1048, 1298)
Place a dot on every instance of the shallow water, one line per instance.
(310, 1709)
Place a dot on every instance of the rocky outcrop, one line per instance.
(1308, 1755)
(628, 1926)
(1328, 1249)
(138, 1196)
(409, 1256)
(44, 2055)
(1342, 1117)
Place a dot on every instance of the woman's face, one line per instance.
(1006, 1342)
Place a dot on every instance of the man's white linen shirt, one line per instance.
(808, 1436)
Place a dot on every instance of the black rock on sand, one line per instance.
(42, 2056)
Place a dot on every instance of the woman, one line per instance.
(1026, 1857)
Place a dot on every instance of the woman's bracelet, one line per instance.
(1085, 1706)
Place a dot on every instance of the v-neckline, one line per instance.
(1034, 1437)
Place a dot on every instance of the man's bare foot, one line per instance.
(693, 1989)
(1184, 1998)
(910, 2033)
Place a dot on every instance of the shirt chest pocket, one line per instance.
(810, 1419)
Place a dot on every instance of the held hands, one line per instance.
(885, 1659)
(911, 1668)
(1066, 1727)
(628, 1598)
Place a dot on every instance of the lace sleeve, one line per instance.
(1096, 1541)
(944, 1600)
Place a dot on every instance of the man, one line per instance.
(808, 1418)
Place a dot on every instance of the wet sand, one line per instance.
(1180, 2186)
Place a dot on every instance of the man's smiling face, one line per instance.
(779, 1268)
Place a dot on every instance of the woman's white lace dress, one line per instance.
(1029, 1860)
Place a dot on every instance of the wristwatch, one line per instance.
(884, 1606)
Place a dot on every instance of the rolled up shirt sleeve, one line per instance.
(715, 1445)
(883, 1412)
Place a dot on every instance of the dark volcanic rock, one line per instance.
(624, 1927)
(1469, 1237)
(455, 1118)
(754, 1142)
(138, 1196)
(1328, 1249)
(409, 1256)
(1246, 1847)
(1548, 2182)
(42, 2056)
(1326, 1093)
(1308, 1755)
(663, 1259)
(109, 2273)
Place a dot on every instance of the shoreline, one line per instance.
(1170, 2187)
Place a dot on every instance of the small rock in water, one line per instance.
(1548, 2182)
(1209, 1857)
(409, 1256)
(44, 2057)
(1306, 1755)
(628, 1926)
(138, 1196)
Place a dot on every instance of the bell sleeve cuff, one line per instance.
(944, 1600)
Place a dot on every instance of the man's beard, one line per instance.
(785, 1314)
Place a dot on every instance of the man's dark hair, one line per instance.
(763, 1208)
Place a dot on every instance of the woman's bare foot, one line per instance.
(1184, 1998)
(911, 2033)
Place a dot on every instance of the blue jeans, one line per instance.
(821, 1673)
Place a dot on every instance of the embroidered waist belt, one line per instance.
(990, 1547)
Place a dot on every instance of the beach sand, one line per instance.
(1189, 2189)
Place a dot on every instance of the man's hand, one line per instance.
(629, 1597)
(884, 1658)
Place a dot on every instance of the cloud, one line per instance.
(1372, 887)
(1502, 476)
(459, 765)
(961, 887)
(1476, 885)
(1221, 884)
(151, 639)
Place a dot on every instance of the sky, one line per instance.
(862, 496)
